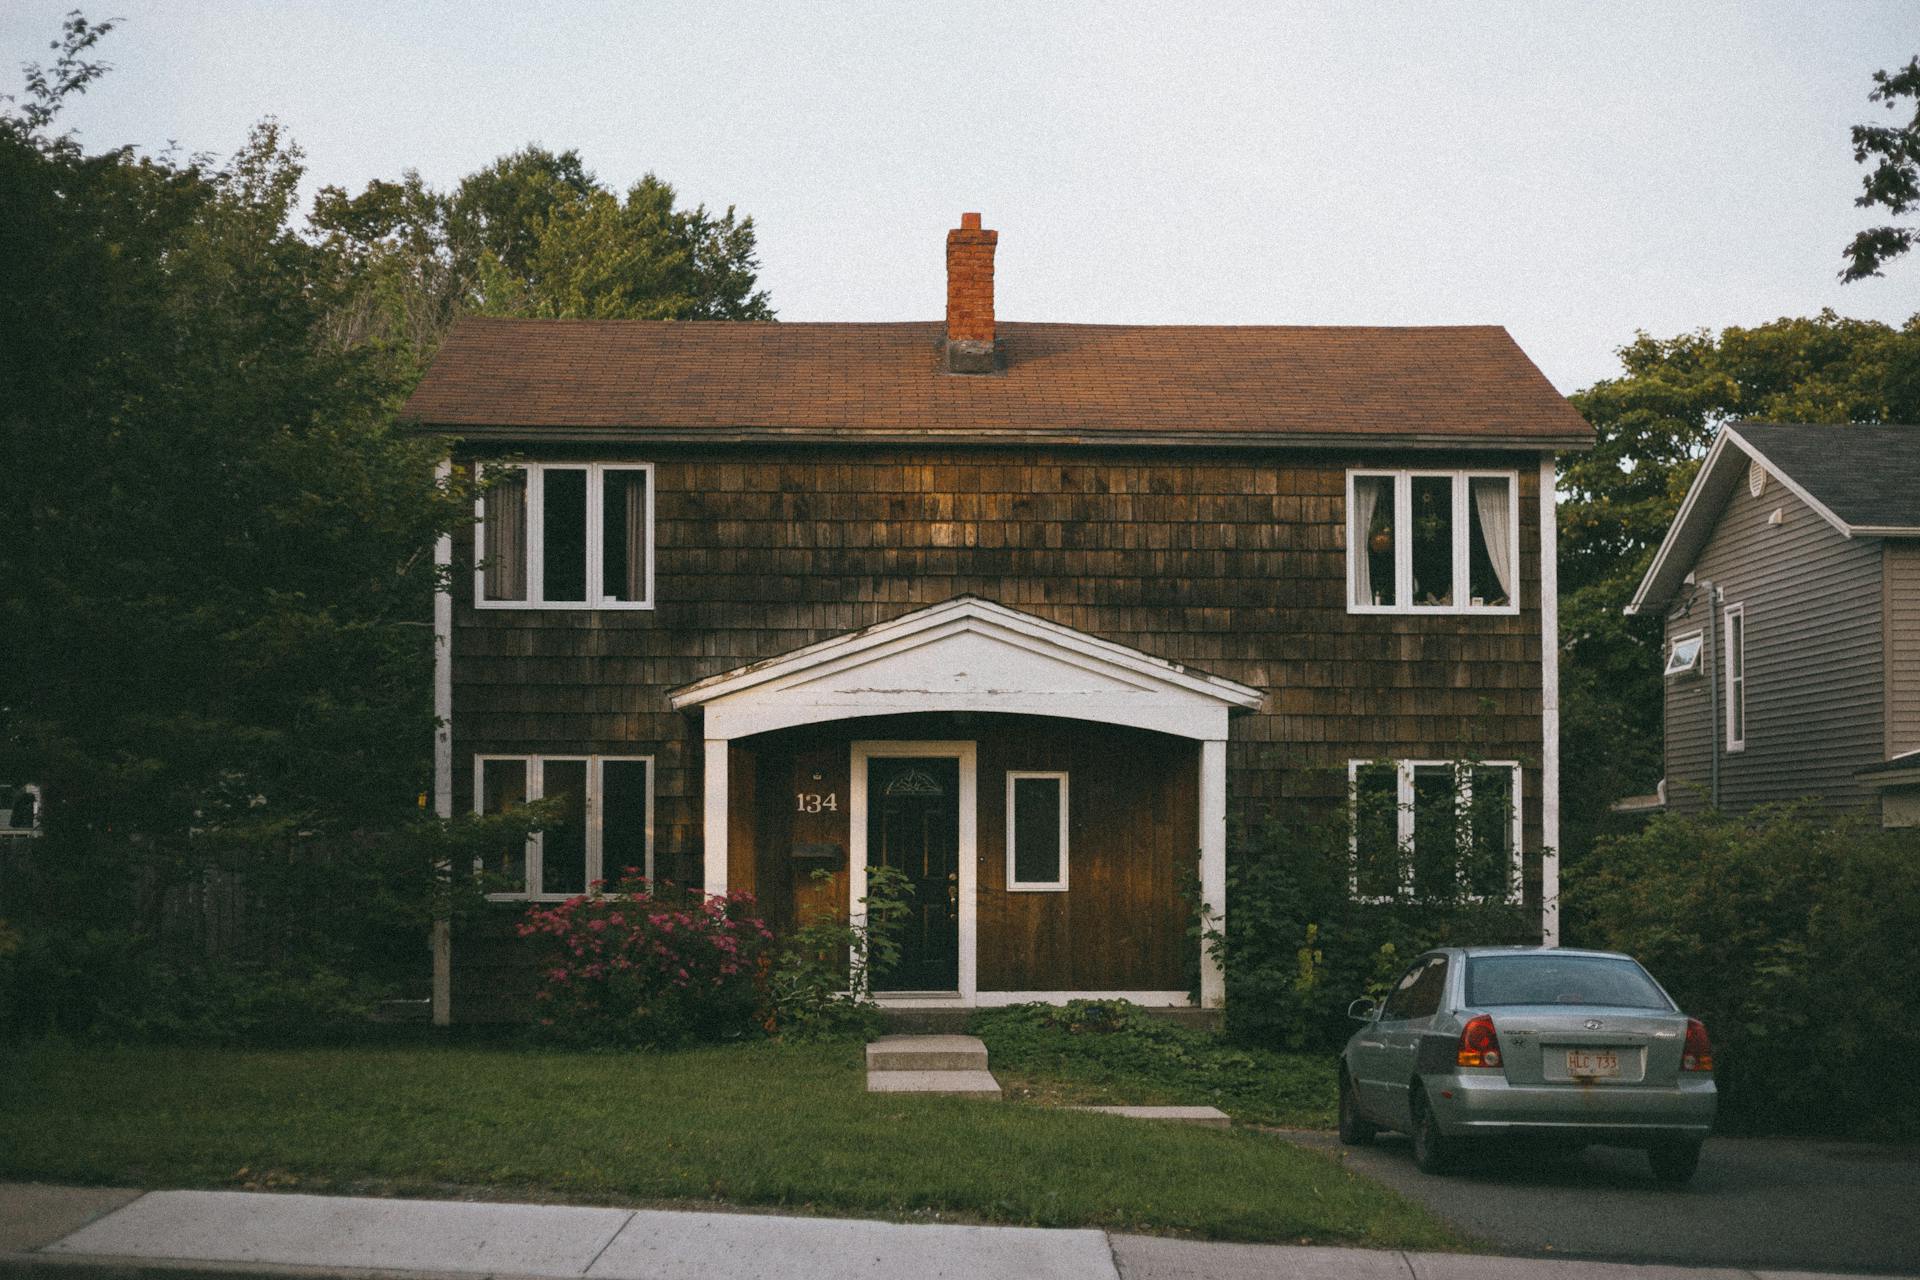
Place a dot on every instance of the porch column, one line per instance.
(1213, 865)
(713, 845)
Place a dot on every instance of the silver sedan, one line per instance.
(1575, 1046)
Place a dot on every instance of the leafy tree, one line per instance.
(1654, 424)
(1894, 182)
(532, 234)
(216, 544)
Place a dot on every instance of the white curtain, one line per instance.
(505, 507)
(1496, 529)
(1366, 494)
(636, 536)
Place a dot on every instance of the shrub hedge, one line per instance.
(1794, 938)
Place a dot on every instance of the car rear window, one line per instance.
(1549, 979)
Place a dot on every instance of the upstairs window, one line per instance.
(565, 536)
(1736, 664)
(1432, 830)
(1683, 657)
(1432, 542)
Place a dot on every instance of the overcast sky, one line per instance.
(1572, 172)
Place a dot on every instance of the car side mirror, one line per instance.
(1363, 1010)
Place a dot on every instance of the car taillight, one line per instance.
(1479, 1046)
(1698, 1054)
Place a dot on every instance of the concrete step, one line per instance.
(1210, 1117)
(927, 1053)
(967, 1084)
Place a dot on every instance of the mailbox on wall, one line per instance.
(819, 855)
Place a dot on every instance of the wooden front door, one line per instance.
(913, 824)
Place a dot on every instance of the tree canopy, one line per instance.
(1894, 181)
(532, 234)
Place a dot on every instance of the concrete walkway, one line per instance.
(69, 1233)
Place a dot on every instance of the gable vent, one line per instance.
(1756, 478)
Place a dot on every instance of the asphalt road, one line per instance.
(1756, 1202)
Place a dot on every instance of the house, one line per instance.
(1023, 608)
(1790, 588)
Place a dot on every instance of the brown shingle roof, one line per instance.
(1170, 383)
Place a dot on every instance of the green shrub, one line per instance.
(822, 985)
(645, 965)
(115, 984)
(1114, 1051)
(1298, 949)
(1793, 938)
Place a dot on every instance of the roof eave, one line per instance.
(522, 433)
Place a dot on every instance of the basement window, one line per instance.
(565, 536)
(1432, 541)
(1683, 656)
(604, 833)
(1037, 831)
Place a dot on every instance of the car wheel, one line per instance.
(1674, 1162)
(1354, 1130)
(1433, 1151)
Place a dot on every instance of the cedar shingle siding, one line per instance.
(1236, 569)
(1234, 566)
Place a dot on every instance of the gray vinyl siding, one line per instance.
(1815, 674)
(1902, 579)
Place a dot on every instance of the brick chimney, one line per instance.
(970, 296)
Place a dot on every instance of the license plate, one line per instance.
(1592, 1062)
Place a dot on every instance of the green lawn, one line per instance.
(757, 1124)
(1114, 1054)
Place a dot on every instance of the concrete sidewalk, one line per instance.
(69, 1233)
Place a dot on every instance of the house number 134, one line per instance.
(814, 802)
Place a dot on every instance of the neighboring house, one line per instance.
(1024, 609)
(1790, 586)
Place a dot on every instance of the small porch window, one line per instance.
(1037, 831)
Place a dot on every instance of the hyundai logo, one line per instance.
(1594, 1024)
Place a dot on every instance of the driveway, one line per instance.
(1756, 1202)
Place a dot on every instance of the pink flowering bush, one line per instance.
(639, 964)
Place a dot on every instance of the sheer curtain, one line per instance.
(506, 538)
(636, 536)
(1496, 529)
(1366, 494)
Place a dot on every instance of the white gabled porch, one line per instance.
(970, 655)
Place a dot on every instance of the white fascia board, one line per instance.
(966, 613)
(1669, 545)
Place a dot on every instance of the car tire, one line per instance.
(1355, 1130)
(1673, 1162)
(1433, 1151)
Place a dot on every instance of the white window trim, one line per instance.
(1736, 684)
(1462, 540)
(536, 535)
(39, 813)
(1014, 884)
(1463, 809)
(535, 780)
(1692, 668)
